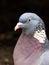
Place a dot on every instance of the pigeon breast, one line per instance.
(27, 50)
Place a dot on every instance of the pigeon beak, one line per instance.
(19, 25)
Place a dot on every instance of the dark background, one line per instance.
(10, 10)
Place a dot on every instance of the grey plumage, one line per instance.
(33, 32)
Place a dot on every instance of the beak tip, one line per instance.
(16, 28)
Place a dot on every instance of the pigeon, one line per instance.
(32, 47)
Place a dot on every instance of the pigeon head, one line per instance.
(29, 22)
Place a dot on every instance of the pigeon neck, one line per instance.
(40, 35)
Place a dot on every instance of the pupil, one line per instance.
(29, 19)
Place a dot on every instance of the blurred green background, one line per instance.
(10, 10)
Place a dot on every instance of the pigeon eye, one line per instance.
(29, 19)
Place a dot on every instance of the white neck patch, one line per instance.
(40, 35)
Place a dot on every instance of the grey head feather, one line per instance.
(23, 18)
(36, 22)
